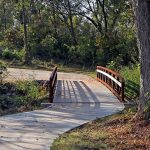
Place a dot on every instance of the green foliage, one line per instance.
(48, 46)
(72, 39)
(112, 65)
(7, 54)
(24, 93)
(29, 88)
(49, 41)
(3, 71)
(11, 55)
(132, 81)
(20, 96)
(13, 38)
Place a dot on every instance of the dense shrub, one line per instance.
(3, 71)
(14, 38)
(21, 94)
(29, 91)
(29, 88)
(10, 55)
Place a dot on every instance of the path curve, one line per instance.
(79, 99)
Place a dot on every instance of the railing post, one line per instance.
(50, 91)
(52, 84)
(122, 91)
(118, 88)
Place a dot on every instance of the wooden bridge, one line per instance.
(66, 90)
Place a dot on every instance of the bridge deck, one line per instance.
(82, 91)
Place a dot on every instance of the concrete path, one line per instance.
(78, 100)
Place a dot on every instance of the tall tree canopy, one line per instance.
(84, 32)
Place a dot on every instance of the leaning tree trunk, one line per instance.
(142, 12)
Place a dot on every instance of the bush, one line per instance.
(14, 38)
(3, 71)
(10, 55)
(132, 81)
(29, 88)
(19, 55)
(21, 95)
(7, 54)
(111, 65)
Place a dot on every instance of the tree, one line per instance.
(103, 14)
(66, 10)
(142, 13)
(26, 47)
(6, 17)
(83, 32)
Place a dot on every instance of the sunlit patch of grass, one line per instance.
(132, 81)
(81, 139)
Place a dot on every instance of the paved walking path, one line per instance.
(78, 99)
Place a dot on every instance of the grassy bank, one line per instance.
(21, 96)
(115, 132)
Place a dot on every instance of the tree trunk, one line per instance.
(142, 12)
(54, 20)
(27, 53)
(102, 4)
(71, 24)
(5, 19)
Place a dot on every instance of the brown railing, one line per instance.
(112, 80)
(52, 84)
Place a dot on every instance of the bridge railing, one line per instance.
(52, 84)
(112, 80)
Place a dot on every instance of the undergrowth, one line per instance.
(21, 96)
(132, 82)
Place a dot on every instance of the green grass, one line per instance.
(21, 96)
(132, 82)
(81, 139)
(101, 134)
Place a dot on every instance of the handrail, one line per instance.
(112, 80)
(52, 84)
